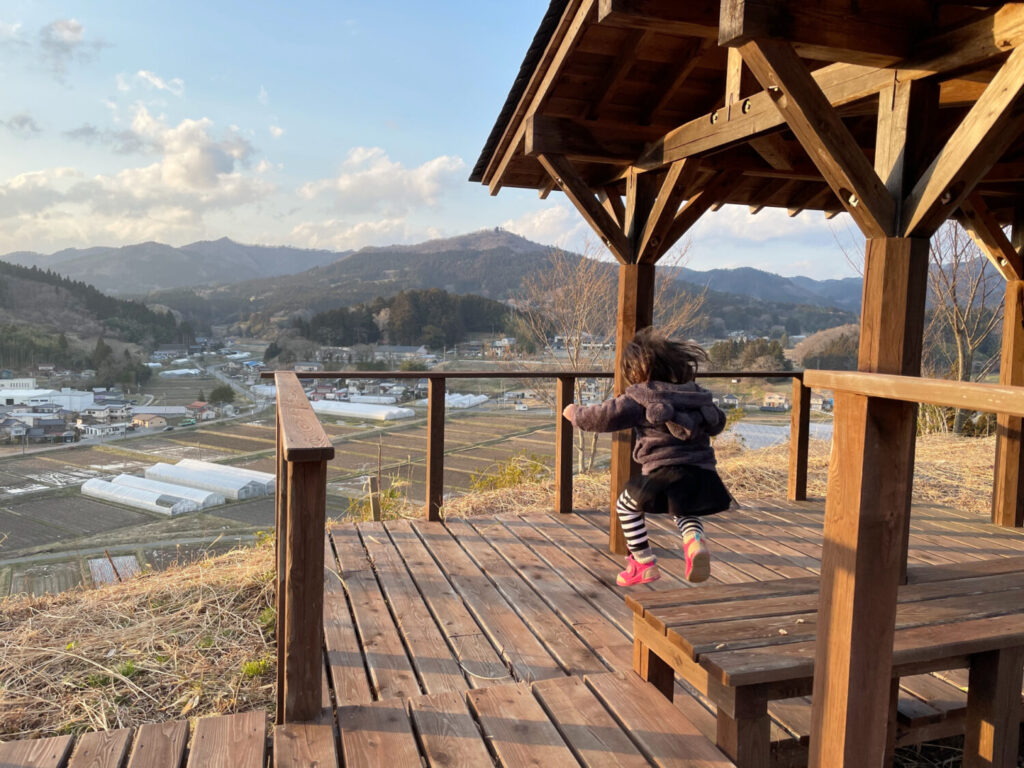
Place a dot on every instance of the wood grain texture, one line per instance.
(302, 745)
(1008, 491)
(799, 442)
(517, 727)
(594, 735)
(989, 398)
(435, 448)
(994, 709)
(101, 749)
(302, 437)
(663, 733)
(40, 753)
(635, 311)
(344, 655)
(230, 741)
(565, 393)
(377, 734)
(447, 731)
(159, 745)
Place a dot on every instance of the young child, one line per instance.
(673, 419)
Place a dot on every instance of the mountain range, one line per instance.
(490, 263)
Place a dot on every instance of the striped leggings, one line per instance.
(634, 528)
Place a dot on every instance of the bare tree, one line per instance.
(965, 298)
(568, 312)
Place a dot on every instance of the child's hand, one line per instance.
(570, 409)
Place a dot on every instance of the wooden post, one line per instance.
(564, 395)
(992, 731)
(281, 532)
(374, 487)
(435, 448)
(1008, 491)
(636, 310)
(304, 606)
(799, 441)
(867, 513)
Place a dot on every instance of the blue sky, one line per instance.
(332, 125)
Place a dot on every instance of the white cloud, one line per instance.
(735, 221)
(9, 30)
(370, 181)
(263, 97)
(555, 225)
(276, 131)
(62, 42)
(175, 85)
(195, 173)
(341, 235)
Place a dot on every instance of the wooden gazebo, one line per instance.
(903, 113)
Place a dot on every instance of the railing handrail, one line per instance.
(970, 395)
(302, 436)
(526, 374)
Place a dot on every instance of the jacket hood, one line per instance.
(680, 407)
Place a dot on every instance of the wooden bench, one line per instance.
(744, 645)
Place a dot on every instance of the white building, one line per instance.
(19, 383)
(73, 399)
(104, 430)
(26, 396)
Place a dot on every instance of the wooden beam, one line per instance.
(581, 196)
(563, 42)
(907, 114)
(842, 84)
(774, 150)
(671, 84)
(641, 190)
(546, 189)
(733, 80)
(677, 182)
(635, 311)
(694, 18)
(820, 32)
(546, 135)
(611, 200)
(993, 123)
(981, 225)
(1008, 484)
(992, 730)
(618, 70)
(822, 134)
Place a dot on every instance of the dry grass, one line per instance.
(188, 641)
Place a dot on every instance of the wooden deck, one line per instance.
(504, 640)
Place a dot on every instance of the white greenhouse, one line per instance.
(202, 498)
(266, 478)
(229, 486)
(362, 410)
(137, 497)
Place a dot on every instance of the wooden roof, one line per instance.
(618, 84)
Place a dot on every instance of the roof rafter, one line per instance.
(981, 225)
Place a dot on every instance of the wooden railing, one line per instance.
(865, 546)
(303, 450)
(565, 386)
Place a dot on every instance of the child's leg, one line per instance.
(698, 558)
(641, 566)
(634, 528)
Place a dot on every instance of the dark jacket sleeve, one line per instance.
(621, 412)
(714, 419)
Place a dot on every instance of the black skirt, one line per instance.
(681, 490)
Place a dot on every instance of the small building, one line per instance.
(46, 368)
(308, 367)
(197, 407)
(397, 354)
(26, 396)
(730, 401)
(74, 400)
(149, 421)
(104, 430)
(821, 403)
(12, 383)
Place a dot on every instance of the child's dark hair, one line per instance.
(650, 356)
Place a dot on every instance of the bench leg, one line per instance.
(653, 669)
(994, 709)
(746, 739)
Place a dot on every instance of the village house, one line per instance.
(149, 421)
(104, 430)
(730, 401)
(396, 354)
(773, 401)
(308, 367)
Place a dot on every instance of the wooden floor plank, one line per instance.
(101, 749)
(558, 638)
(36, 753)
(377, 734)
(661, 731)
(304, 745)
(387, 660)
(474, 651)
(520, 648)
(447, 731)
(230, 741)
(433, 660)
(344, 654)
(518, 729)
(592, 733)
(159, 745)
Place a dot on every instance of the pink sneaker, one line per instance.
(698, 559)
(638, 573)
